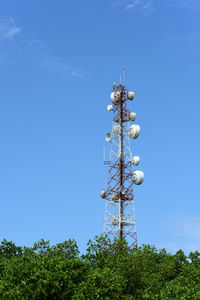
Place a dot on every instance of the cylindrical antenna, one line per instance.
(124, 76)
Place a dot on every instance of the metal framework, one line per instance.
(120, 221)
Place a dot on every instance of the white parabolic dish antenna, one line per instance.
(115, 96)
(135, 160)
(109, 107)
(134, 131)
(103, 194)
(130, 95)
(108, 137)
(137, 177)
(132, 116)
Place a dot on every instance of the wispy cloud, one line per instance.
(185, 234)
(33, 50)
(145, 6)
(60, 66)
(35, 42)
(187, 227)
(133, 4)
(183, 3)
(8, 29)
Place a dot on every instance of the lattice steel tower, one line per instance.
(119, 218)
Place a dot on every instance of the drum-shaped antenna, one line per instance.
(115, 96)
(135, 160)
(108, 137)
(137, 177)
(109, 107)
(134, 131)
(103, 194)
(114, 197)
(132, 116)
(130, 95)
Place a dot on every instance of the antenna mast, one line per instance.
(120, 219)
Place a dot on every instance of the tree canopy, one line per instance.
(108, 270)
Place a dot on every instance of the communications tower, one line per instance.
(119, 221)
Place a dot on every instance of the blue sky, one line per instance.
(58, 60)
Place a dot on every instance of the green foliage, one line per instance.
(108, 270)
